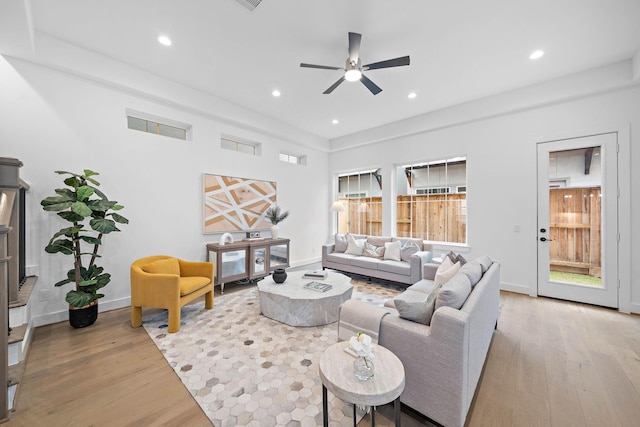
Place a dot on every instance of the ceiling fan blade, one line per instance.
(396, 62)
(322, 67)
(374, 88)
(333, 86)
(354, 46)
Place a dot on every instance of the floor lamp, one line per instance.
(337, 207)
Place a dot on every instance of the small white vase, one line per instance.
(274, 231)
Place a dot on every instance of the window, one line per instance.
(361, 194)
(236, 144)
(431, 200)
(157, 125)
(290, 158)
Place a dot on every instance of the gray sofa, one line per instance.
(407, 270)
(443, 361)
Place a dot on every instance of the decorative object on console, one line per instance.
(315, 274)
(236, 204)
(253, 234)
(279, 275)
(81, 202)
(226, 238)
(274, 216)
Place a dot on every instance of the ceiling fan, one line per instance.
(353, 68)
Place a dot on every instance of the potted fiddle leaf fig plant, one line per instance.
(90, 216)
(275, 216)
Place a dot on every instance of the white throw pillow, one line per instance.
(355, 247)
(392, 250)
(446, 271)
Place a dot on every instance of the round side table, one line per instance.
(336, 373)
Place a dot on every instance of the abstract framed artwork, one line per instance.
(236, 204)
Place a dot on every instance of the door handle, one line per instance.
(544, 239)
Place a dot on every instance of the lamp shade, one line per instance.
(337, 207)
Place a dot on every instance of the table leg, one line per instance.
(373, 416)
(354, 415)
(396, 410)
(325, 407)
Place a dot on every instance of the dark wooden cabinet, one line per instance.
(247, 259)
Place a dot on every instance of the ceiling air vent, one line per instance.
(250, 4)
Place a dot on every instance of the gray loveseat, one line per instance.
(442, 361)
(407, 269)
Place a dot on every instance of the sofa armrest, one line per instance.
(416, 262)
(196, 268)
(326, 250)
(429, 270)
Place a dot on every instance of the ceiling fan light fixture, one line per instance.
(352, 75)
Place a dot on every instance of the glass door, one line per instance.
(577, 220)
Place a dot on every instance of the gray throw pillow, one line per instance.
(485, 262)
(473, 271)
(341, 242)
(456, 258)
(408, 249)
(455, 292)
(420, 311)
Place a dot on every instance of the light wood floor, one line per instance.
(551, 363)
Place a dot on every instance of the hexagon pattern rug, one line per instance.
(245, 369)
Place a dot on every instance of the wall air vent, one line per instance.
(249, 4)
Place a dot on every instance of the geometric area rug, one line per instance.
(245, 369)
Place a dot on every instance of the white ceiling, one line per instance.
(460, 50)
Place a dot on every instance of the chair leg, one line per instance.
(174, 319)
(136, 316)
(208, 300)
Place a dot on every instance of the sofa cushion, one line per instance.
(365, 262)
(446, 271)
(404, 240)
(377, 240)
(373, 251)
(192, 284)
(424, 286)
(454, 293)
(354, 246)
(416, 306)
(392, 251)
(340, 258)
(484, 261)
(163, 266)
(396, 267)
(341, 242)
(408, 248)
(473, 272)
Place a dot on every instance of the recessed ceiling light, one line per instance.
(335, 121)
(276, 93)
(164, 40)
(536, 54)
(412, 95)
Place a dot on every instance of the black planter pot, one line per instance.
(81, 317)
(279, 275)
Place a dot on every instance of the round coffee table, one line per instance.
(291, 303)
(336, 373)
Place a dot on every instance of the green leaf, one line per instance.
(100, 205)
(119, 218)
(103, 225)
(65, 192)
(55, 203)
(70, 216)
(88, 282)
(64, 282)
(117, 207)
(81, 208)
(72, 181)
(89, 172)
(98, 192)
(79, 298)
(68, 232)
(91, 240)
(60, 245)
(84, 192)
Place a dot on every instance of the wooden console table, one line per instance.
(247, 259)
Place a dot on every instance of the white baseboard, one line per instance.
(63, 315)
(301, 262)
(511, 287)
(635, 308)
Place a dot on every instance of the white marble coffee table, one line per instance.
(291, 303)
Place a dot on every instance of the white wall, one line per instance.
(55, 121)
(501, 172)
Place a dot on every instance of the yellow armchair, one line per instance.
(166, 282)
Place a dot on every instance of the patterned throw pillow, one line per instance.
(418, 310)
(373, 251)
(341, 242)
(408, 249)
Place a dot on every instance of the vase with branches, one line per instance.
(275, 216)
